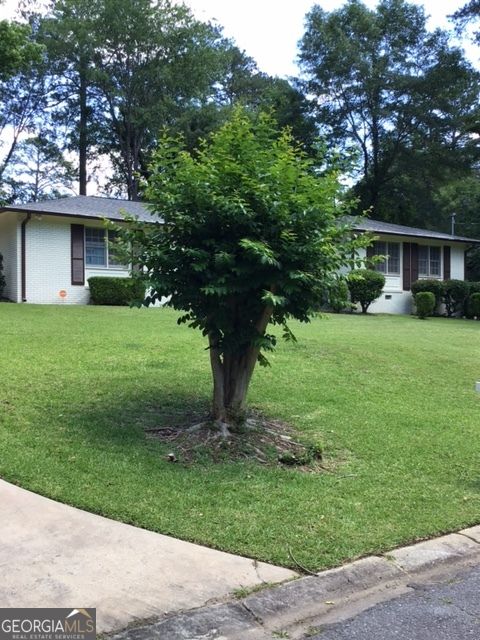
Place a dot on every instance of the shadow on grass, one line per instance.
(118, 419)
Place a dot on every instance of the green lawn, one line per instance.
(392, 398)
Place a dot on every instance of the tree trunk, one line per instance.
(231, 378)
(82, 128)
(232, 373)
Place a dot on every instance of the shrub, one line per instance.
(455, 292)
(474, 305)
(433, 286)
(473, 287)
(116, 291)
(425, 303)
(338, 296)
(3, 282)
(365, 286)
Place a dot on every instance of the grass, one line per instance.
(391, 398)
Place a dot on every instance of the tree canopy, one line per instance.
(402, 97)
(248, 234)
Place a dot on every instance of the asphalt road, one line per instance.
(446, 610)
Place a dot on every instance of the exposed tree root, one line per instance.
(256, 439)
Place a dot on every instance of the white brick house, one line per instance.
(51, 248)
(413, 254)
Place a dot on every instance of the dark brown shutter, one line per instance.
(78, 254)
(447, 269)
(414, 262)
(407, 273)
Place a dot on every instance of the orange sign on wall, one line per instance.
(62, 293)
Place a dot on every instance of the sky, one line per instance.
(269, 30)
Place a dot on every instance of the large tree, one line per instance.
(469, 14)
(22, 87)
(248, 234)
(39, 171)
(401, 96)
(69, 35)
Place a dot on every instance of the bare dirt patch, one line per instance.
(268, 442)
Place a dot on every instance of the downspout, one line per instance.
(23, 256)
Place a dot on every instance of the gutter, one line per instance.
(25, 221)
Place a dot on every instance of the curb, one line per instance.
(294, 604)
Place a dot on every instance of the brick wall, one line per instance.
(48, 257)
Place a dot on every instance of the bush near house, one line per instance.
(474, 305)
(455, 293)
(433, 286)
(338, 296)
(3, 282)
(425, 304)
(116, 291)
(365, 286)
(474, 287)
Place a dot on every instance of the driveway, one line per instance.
(53, 555)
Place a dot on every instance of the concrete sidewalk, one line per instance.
(301, 608)
(52, 555)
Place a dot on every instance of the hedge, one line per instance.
(121, 292)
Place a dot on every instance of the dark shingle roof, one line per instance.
(111, 208)
(86, 207)
(386, 228)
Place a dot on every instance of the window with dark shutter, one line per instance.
(78, 254)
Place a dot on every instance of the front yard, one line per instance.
(391, 398)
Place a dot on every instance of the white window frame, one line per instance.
(106, 243)
(386, 262)
(428, 273)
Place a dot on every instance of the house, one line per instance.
(52, 248)
(412, 254)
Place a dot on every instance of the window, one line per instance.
(391, 265)
(429, 262)
(98, 251)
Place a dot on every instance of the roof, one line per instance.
(95, 207)
(387, 228)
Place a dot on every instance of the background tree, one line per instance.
(250, 238)
(22, 87)
(69, 35)
(17, 49)
(399, 95)
(39, 171)
(468, 14)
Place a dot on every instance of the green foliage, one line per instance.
(251, 232)
(473, 287)
(39, 171)
(402, 96)
(338, 299)
(17, 49)
(455, 293)
(116, 291)
(434, 286)
(3, 282)
(365, 286)
(474, 305)
(425, 304)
